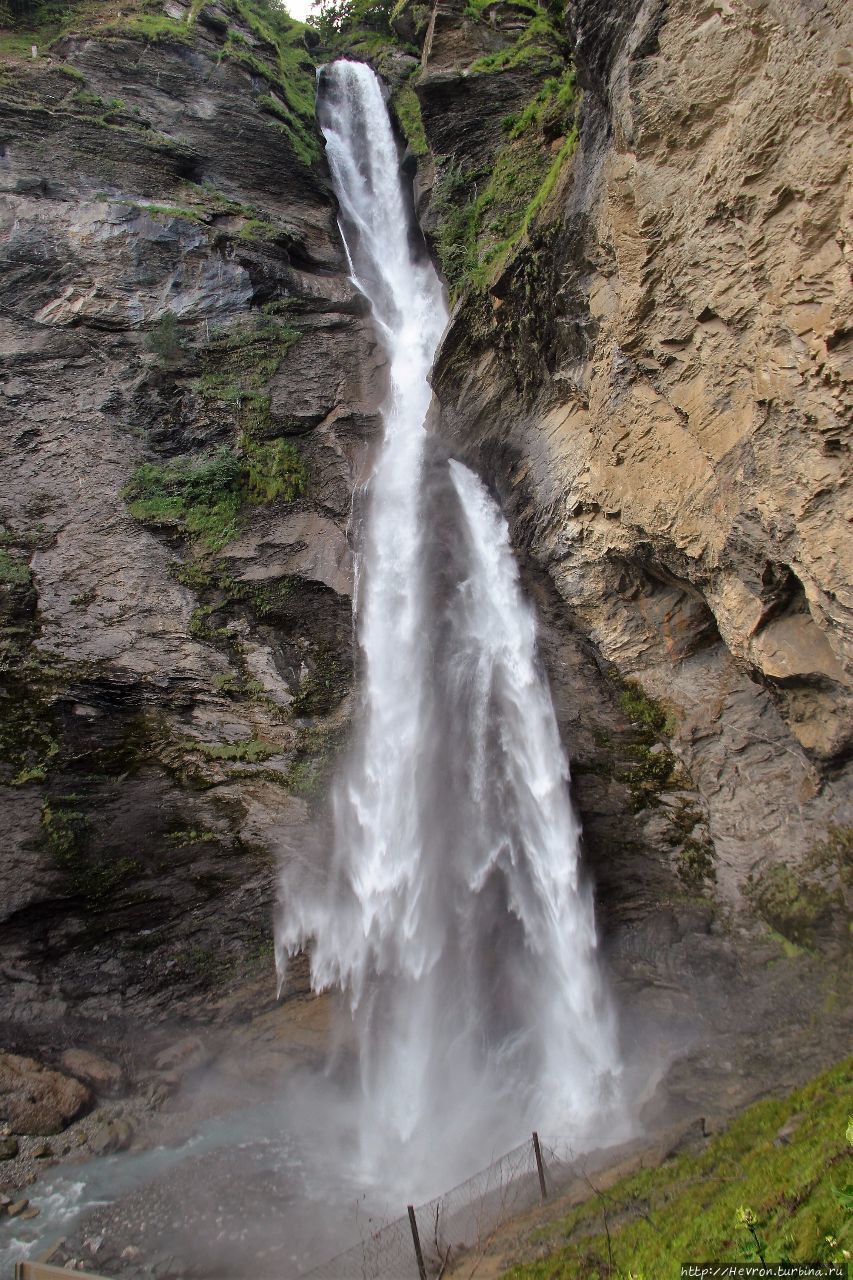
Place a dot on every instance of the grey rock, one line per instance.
(183, 1057)
(114, 1135)
(786, 1133)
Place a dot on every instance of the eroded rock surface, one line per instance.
(176, 298)
(653, 372)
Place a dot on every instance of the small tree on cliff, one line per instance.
(337, 17)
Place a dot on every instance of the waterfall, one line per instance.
(452, 917)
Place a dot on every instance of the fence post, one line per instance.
(413, 1223)
(540, 1168)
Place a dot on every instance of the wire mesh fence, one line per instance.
(421, 1244)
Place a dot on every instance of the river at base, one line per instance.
(252, 1193)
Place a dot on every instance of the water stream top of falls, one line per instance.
(451, 916)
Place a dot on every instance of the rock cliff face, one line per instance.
(676, 338)
(639, 209)
(649, 359)
(176, 653)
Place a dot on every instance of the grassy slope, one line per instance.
(691, 1208)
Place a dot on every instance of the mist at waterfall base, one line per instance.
(450, 914)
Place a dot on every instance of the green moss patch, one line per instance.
(279, 55)
(239, 362)
(408, 111)
(274, 472)
(67, 835)
(747, 1197)
(538, 44)
(800, 903)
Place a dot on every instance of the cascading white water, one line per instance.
(452, 916)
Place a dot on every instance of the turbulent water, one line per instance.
(452, 916)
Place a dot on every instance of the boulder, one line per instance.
(114, 1135)
(8, 1148)
(99, 1073)
(182, 1057)
(36, 1100)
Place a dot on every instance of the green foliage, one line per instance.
(644, 712)
(14, 570)
(28, 740)
(66, 69)
(316, 750)
(274, 472)
(170, 211)
(324, 685)
(186, 837)
(281, 57)
(200, 624)
(240, 361)
(420, 14)
(200, 499)
(267, 599)
(151, 27)
(540, 42)
(164, 338)
(798, 903)
(249, 751)
(340, 17)
(695, 861)
(744, 1193)
(259, 229)
(27, 22)
(788, 903)
(408, 111)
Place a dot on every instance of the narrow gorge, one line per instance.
(622, 229)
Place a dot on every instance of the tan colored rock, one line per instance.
(794, 646)
(102, 1075)
(663, 397)
(36, 1100)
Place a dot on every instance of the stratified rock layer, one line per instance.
(174, 291)
(655, 381)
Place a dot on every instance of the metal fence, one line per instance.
(421, 1244)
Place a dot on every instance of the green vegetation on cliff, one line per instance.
(800, 903)
(344, 17)
(407, 109)
(774, 1187)
(201, 498)
(537, 44)
(260, 36)
(482, 216)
